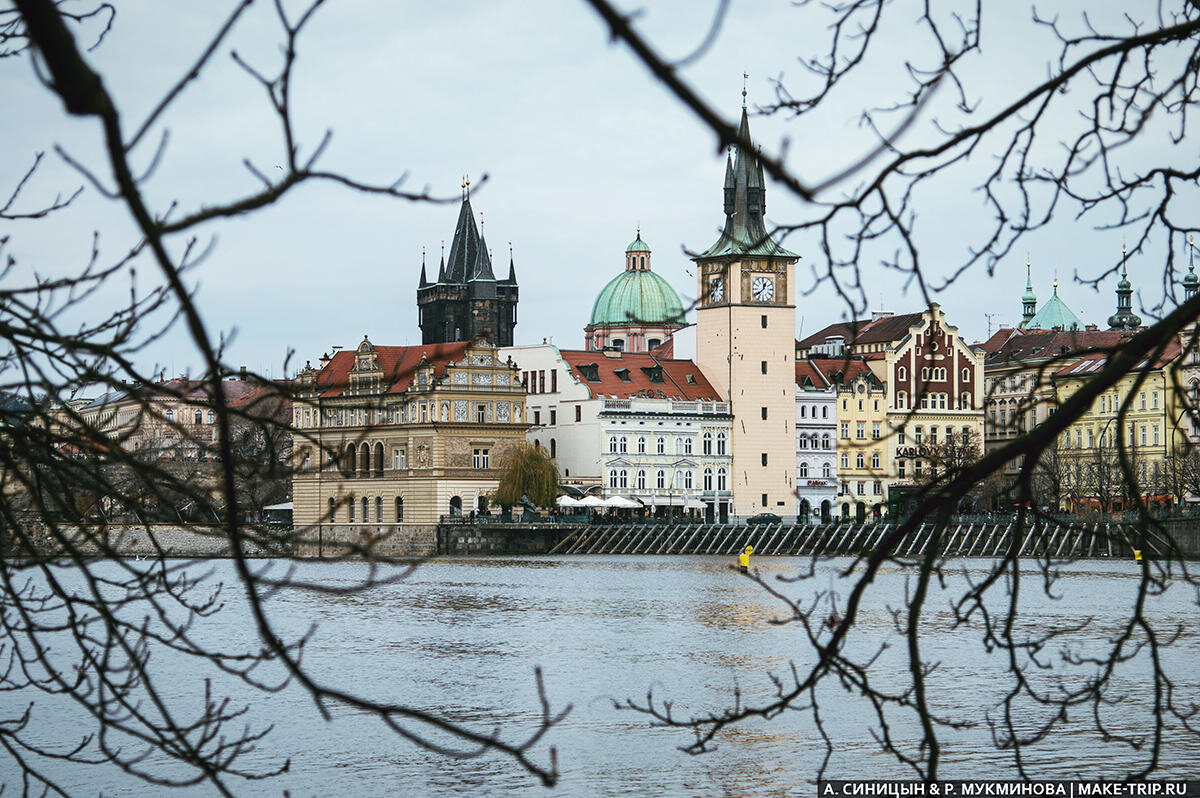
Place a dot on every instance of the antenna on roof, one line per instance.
(989, 318)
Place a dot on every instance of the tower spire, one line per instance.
(1028, 299)
(424, 280)
(1191, 282)
(1124, 318)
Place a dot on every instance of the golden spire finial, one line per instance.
(745, 77)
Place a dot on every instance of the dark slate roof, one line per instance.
(865, 331)
(629, 374)
(468, 255)
(745, 231)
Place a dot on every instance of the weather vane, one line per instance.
(745, 77)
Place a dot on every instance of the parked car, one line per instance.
(764, 518)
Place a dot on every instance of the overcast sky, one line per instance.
(579, 144)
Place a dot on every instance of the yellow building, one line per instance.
(403, 434)
(1141, 413)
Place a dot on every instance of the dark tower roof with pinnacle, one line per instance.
(466, 247)
(1190, 282)
(424, 280)
(512, 270)
(1124, 318)
(745, 231)
(482, 269)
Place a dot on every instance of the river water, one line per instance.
(462, 636)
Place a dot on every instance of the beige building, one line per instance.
(745, 325)
(403, 434)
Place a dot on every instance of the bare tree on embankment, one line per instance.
(154, 447)
(1098, 135)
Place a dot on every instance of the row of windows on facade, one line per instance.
(928, 401)
(535, 381)
(1146, 434)
(931, 374)
(358, 459)
(860, 433)
(683, 479)
(197, 417)
(396, 414)
(876, 488)
(366, 503)
(804, 411)
(804, 472)
(803, 441)
(619, 444)
(901, 464)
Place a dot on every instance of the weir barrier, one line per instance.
(1042, 539)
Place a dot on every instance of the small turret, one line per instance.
(1190, 282)
(1029, 299)
(1124, 318)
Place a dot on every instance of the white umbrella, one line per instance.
(566, 501)
(621, 503)
(592, 501)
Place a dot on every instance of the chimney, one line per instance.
(242, 373)
(876, 315)
(1091, 327)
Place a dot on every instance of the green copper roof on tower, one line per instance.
(1054, 313)
(637, 244)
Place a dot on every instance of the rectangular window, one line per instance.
(860, 431)
(480, 414)
(764, 367)
(481, 458)
(553, 382)
(876, 431)
(845, 429)
(764, 501)
(553, 416)
(396, 459)
(900, 437)
(900, 468)
(350, 509)
(862, 488)
(579, 412)
(764, 321)
(537, 417)
(764, 458)
(764, 413)
(541, 381)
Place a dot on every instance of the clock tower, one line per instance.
(745, 333)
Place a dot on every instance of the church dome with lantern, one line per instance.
(638, 310)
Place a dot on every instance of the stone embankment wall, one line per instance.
(178, 540)
(381, 540)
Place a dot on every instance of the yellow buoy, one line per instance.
(1137, 555)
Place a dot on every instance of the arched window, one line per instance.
(624, 445)
(660, 479)
(803, 442)
(612, 478)
(455, 505)
(720, 443)
(641, 479)
(366, 510)
(966, 375)
(875, 460)
(687, 479)
(708, 483)
(901, 374)
(332, 511)
(826, 471)
(379, 509)
(348, 465)
(170, 416)
(212, 417)
(679, 446)
(825, 441)
(199, 417)
(612, 444)
(379, 462)
(804, 470)
(364, 459)
(660, 445)
(624, 478)
(350, 509)
(706, 443)
(722, 479)
(399, 509)
(678, 481)
(641, 445)
(687, 445)
(553, 448)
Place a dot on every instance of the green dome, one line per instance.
(637, 297)
(637, 244)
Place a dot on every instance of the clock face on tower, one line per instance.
(762, 289)
(716, 290)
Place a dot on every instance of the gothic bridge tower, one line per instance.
(467, 301)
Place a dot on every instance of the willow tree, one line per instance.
(527, 472)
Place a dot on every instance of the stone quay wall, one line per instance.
(354, 540)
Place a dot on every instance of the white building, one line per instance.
(816, 442)
(641, 426)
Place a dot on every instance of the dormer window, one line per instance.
(690, 379)
(589, 371)
(622, 374)
(654, 374)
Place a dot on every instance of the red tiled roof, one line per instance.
(850, 368)
(805, 368)
(1029, 345)
(681, 379)
(997, 339)
(865, 331)
(399, 363)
